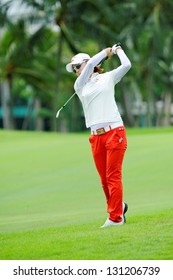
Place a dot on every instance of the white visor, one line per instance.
(79, 58)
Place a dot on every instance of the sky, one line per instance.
(16, 7)
(18, 10)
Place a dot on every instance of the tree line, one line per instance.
(38, 38)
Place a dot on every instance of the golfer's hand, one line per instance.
(116, 47)
(109, 52)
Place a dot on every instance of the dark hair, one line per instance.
(98, 69)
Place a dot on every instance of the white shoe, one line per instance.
(110, 223)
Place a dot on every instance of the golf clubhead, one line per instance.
(57, 114)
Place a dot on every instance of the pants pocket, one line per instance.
(118, 139)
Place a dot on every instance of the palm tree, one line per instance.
(26, 54)
(151, 34)
(90, 26)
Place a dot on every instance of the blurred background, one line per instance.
(38, 38)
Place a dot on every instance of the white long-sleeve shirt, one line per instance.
(96, 91)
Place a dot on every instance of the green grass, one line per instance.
(52, 205)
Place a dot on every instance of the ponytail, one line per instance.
(98, 69)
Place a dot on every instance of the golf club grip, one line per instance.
(103, 60)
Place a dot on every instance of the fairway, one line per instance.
(52, 204)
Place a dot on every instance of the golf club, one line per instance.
(57, 114)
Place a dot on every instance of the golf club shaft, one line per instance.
(68, 100)
(57, 114)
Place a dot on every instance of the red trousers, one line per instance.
(108, 151)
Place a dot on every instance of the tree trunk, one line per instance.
(39, 120)
(8, 122)
(167, 109)
(57, 81)
(27, 119)
(126, 99)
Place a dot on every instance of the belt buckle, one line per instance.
(100, 131)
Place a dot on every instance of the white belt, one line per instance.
(105, 129)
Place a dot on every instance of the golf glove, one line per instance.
(115, 47)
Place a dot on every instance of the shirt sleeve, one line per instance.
(88, 70)
(120, 71)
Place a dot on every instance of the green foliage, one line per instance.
(36, 45)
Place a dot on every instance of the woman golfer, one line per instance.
(108, 136)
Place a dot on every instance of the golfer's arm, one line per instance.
(125, 66)
(88, 70)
